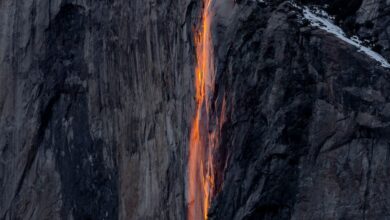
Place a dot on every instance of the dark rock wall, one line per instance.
(307, 128)
(374, 20)
(96, 101)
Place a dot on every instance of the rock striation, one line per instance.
(95, 101)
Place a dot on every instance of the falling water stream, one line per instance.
(201, 176)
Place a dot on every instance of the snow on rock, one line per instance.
(322, 20)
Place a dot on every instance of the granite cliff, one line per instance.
(97, 102)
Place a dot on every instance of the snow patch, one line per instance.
(322, 20)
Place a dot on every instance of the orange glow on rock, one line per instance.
(200, 162)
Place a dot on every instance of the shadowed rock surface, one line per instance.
(307, 131)
(97, 97)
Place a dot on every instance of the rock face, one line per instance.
(95, 101)
(307, 129)
(97, 97)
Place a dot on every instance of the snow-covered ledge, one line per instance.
(322, 20)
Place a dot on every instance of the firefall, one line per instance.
(200, 162)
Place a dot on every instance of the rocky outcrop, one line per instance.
(97, 97)
(368, 19)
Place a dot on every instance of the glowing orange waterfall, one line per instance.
(200, 161)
